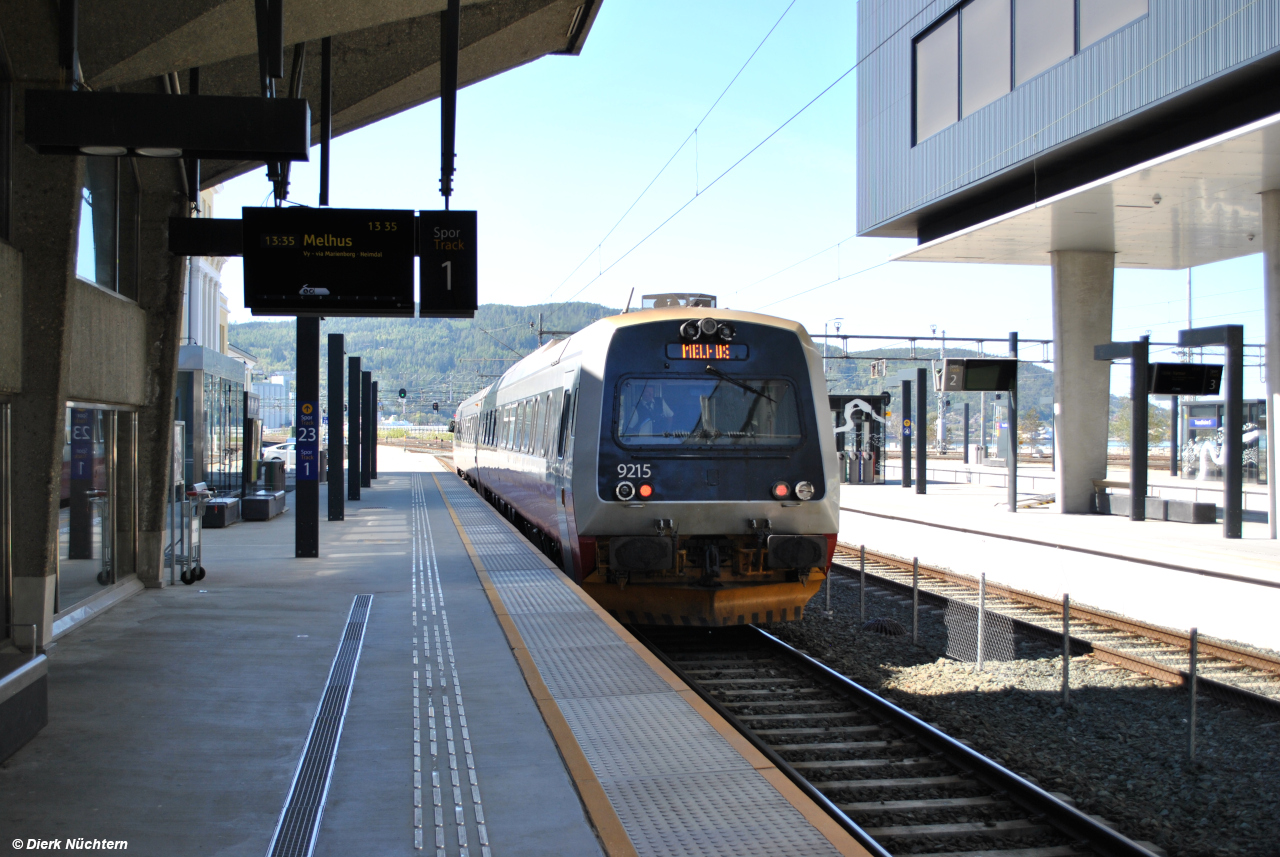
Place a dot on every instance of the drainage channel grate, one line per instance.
(299, 823)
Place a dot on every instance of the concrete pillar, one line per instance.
(46, 214)
(160, 291)
(1271, 313)
(1083, 282)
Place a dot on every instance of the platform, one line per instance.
(179, 716)
(1179, 575)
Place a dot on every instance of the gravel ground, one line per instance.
(1119, 749)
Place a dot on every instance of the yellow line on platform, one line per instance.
(815, 815)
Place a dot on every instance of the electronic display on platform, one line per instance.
(1184, 379)
(307, 442)
(979, 374)
(448, 268)
(328, 261)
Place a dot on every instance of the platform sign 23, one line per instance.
(307, 442)
(82, 443)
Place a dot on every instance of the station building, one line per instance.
(1084, 135)
(108, 338)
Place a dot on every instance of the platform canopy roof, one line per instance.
(385, 52)
(1194, 206)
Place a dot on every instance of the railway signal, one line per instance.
(403, 393)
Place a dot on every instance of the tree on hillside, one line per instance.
(1157, 423)
(1029, 426)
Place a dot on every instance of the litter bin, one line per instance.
(272, 475)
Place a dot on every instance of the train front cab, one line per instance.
(715, 496)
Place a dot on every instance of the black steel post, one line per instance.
(966, 432)
(1138, 430)
(1232, 337)
(353, 428)
(1233, 426)
(373, 423)
(1013, 427)
(337, 501)
(366, 429)
(306, 531)
(922, 436)
(326, 126)
(907, 431)
(1174, 419)
(449, 38)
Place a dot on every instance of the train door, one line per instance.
(562, 468)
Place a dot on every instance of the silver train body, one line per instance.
(681, 468)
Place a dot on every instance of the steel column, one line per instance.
(373, 427)
(337, 502)
(366, 429)
(353, 428)
(907, 432)
(922, 436)
(307, 491)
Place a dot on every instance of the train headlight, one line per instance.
(726, 332)
(646, 490)
(781, 490)
(625, 491)
(690, 330)
(708, 326)
(804, 490)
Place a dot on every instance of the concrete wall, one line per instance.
(106, 348)
(10, 319)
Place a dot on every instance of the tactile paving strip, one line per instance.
(618, 736)
(724, 812)
(541, 598)
(584, 671)
(679, 788)
(564, 630)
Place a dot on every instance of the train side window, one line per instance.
(564, 423)
(534, 425)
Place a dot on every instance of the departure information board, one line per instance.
(328, 261)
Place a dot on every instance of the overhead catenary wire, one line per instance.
(905, 24)
(692, 135)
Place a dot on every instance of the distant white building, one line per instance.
(273, 405)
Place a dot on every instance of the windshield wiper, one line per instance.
(743, 384)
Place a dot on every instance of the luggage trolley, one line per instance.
(192, 529)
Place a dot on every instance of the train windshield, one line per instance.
(717, 411)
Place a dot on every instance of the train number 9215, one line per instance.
(634, 471)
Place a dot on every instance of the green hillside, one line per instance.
(445, 360)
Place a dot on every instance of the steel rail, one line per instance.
(1022, 792)
(1126, 660)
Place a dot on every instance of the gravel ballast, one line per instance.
(1120, 749)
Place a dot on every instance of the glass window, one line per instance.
(1044, 35)
(1101, 18)
(707, 412)
(984, 52)
(96, 252)
(937, 79)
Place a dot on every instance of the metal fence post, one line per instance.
(1191, 684)
(915, 599)
(1066, 650)
(982, 609)
(862, 583)
(828, 610)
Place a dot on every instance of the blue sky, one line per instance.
(553, 153)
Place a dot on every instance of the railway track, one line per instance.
(896, 783)
(1224, 671)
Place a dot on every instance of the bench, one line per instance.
(262, 505)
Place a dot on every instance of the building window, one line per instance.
(985, 48)
(107, 245)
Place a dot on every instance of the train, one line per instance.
(677, 462)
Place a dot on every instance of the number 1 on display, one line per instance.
(448, 275)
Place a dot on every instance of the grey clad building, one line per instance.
(1084, 135)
